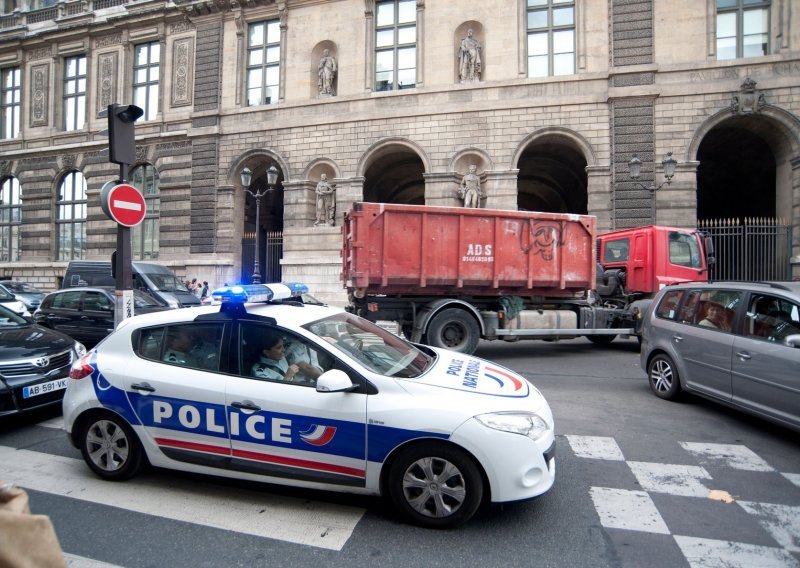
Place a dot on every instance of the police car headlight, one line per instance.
(525, 423)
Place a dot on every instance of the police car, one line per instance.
(265, 388)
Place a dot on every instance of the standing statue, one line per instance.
(469, 59)
(326, 71)
(326, 201)
(470, 188)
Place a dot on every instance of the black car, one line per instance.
(87, 314)
(34, 363)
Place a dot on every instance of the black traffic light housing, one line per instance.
(121, 136)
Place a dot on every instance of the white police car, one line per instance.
(309, 396)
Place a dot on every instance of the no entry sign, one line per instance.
(123, 203)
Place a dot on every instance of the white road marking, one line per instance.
(630, 510)
(595, 447)
(670, 478)
(734, 455)
(706, 553)
(793, 477)
(74, 561)
(56, 423)
(780, 521)
(251, 512)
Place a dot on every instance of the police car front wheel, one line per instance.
(435, 485)
(110, 447)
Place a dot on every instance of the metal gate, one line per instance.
(271, 254)
(754, 249)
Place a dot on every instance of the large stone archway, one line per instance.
(393, 172)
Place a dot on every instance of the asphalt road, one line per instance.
(639, 482)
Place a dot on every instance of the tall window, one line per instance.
(74, 92)
(71, 222)
(10, 219)
(742, 28)
(10, 102)
(395, 45)
(144, 236)
(147, 57)
(551, 38)
(263, 63)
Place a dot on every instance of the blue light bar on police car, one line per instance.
(258, 292)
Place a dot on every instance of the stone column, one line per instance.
(299, 204)
(440, 189)
(500, 188)
(599, 199)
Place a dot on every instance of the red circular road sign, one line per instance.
(125, 205)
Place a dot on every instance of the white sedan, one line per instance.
(266, 388)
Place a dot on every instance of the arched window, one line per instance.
(71, 221)
(144, 237)
(10, 219)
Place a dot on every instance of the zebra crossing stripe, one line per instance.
(595, 447)
(735, 456)
(682, 480)
(707, 553)
(629, 510)
(782, 522)
(251, 512)
(74, 561)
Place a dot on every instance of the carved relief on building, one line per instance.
(107, 80)
(5, 168)
(748, 100)
(183, 62)
(142, 153)
(180, 27)
(40, 94)
(68, 161)
(40, 53)
(108, 40)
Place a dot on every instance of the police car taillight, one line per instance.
(81, 368)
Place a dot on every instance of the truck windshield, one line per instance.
(165, 282)
(684, 250)
(377, 349)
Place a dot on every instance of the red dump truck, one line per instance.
(451, 276)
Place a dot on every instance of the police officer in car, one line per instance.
(273, 364)
(180, 342)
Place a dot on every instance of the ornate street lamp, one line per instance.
(635, 169)
(246, 178)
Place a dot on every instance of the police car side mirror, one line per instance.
(793, 340)
(335, 381)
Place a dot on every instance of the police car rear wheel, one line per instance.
(436, 486)
(110, 447)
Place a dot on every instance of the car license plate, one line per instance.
(44, 388)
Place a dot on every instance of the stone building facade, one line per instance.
(232, 85)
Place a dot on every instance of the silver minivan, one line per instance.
(733, 342)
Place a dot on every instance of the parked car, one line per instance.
(23, 292)
(34, 364)
(87, 314)
(310, 396)
(10, 301)
(733, 342)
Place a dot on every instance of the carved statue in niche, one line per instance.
(469, 59)
(470, 189)
(326, 72)
(326, 202)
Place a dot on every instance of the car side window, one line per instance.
(95, 301)
(668, 308)
(716, 309)
(771, 318)
(67, 301)
(196, 346)
(276, 354)
(689, 311)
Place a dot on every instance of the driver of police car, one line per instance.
(274, 365)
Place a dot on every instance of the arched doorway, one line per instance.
(393, 174)
(262, 235)
(552, 176)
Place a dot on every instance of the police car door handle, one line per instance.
(743, 355)
(677, 338)
(142, 387)
(246, 405)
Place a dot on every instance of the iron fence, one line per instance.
(753, 249)
(271, 254)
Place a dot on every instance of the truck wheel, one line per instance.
(435, 486)
(454, 329)
(601, 339)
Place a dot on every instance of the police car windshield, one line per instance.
(377, 349)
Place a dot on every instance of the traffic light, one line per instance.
(121, 137)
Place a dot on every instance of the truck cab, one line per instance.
(645, 259)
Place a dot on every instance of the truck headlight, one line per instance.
(526, 423)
